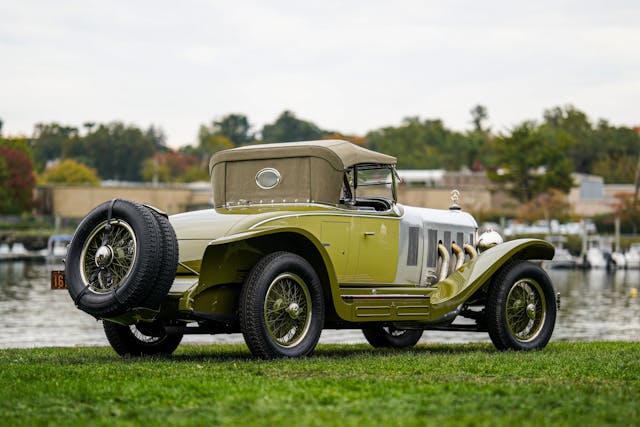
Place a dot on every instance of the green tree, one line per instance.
(288, 128)
(17, 178)
(70, 171)
(618, 155)
(583, 149)
(51, 141)
(194, 174)
(235, 127)
(531, 161)
(422, 144)
(479, 114)
(157, 137)
(118, 150)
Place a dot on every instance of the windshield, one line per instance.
(372, 181)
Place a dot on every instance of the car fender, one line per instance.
(453, 291)
(228, 258)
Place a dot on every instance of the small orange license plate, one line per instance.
(57, 280)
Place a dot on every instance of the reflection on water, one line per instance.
(596, 305)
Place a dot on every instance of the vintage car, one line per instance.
(302, 237)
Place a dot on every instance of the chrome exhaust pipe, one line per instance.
(444, 265)
(459, 253)
(471, 251)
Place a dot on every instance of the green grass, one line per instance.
(566, 384)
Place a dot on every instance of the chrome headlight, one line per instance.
(489, 239)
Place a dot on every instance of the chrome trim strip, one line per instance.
(385, 296)
(350, 215)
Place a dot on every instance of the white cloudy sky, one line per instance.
(347, 65)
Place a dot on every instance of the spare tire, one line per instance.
(119, 258)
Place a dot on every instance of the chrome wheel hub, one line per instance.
(293, 310)
(104, 256)
(531, 311)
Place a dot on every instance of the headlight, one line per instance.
(489, 239)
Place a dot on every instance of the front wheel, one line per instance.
(521, 308)
(281, 307)
(141, 339)
(379, 336)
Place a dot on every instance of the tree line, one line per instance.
(531, 159)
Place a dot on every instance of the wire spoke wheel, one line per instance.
(281, 307)
(521, 307)
(108, 256)
(525, 309)
(286, 309)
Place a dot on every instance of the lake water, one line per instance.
(596, 305)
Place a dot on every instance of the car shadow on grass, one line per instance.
(210, 353)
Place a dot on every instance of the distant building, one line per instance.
(591, 196)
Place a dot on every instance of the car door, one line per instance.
(376, 239)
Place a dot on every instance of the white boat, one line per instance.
(596, 258)
(632, 257)
(562, 257)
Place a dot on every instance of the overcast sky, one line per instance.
(350, 66)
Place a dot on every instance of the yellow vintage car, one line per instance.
(302, 237)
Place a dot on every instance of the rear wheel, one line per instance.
(281, 307)
(389, 336)
(141, 339)
(521, 308)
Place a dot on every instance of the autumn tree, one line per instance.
(17, 178)
(69, 171)
(170, 166)
(551, 204)
(626, 209)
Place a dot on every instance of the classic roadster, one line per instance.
(304, 236)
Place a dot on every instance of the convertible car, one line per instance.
(303, 237)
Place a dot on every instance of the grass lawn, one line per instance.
(586, 384)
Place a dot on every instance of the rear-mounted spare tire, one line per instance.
(123, 255)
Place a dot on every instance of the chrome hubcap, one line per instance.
(104, 256)
(531, 311)
(293, 310)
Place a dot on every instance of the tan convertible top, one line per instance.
(295, 172)
(340, 154)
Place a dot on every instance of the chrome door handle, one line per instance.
(369, 233)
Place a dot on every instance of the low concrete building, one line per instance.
(75, 201)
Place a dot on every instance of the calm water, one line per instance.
(596, 305)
